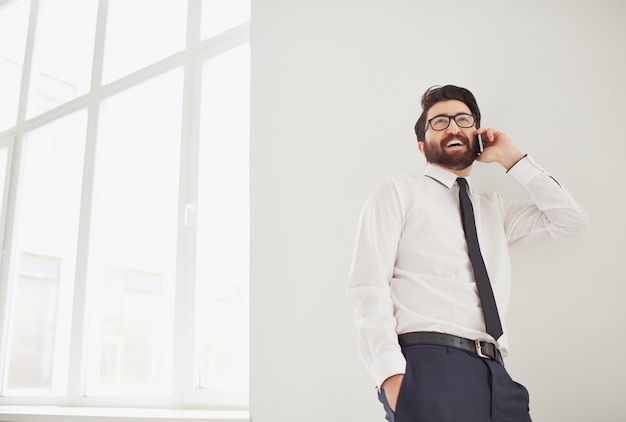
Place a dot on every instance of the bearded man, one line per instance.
(430, 276)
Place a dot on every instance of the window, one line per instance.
(124, 219)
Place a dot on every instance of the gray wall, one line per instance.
(335, 93)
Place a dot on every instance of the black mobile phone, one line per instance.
(481, 148)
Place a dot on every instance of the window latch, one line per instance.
(190, 208)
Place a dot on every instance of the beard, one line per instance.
(438, 154)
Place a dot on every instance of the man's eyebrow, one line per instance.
(451, 115)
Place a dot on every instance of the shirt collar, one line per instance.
(443, 176)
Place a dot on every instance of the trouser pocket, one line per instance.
(382, 397)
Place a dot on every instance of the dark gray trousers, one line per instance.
(444, 384)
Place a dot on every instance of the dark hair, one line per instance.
(444, 93)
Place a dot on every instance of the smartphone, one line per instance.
(481, 148)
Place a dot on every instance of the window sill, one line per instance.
(100, 414)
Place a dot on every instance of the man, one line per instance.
(429, 332)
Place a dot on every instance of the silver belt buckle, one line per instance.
(479, 350)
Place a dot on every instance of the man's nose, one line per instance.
(453, 127)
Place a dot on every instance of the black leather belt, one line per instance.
(484, 349)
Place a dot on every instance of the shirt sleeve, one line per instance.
(379, 231)
(553, 214)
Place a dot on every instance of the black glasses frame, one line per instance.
(429, 123)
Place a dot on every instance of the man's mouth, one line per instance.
(455, 143)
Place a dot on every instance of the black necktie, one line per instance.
(487, 300)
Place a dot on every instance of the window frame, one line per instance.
(196, 52)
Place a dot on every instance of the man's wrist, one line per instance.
(394, 380)
(512, 160)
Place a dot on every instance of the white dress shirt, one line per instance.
(411, 270)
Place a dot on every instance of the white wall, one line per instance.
(335, 93)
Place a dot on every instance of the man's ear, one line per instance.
(420, 146)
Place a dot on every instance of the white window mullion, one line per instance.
(186, 381)
(76, 376)
(6, 178)
(5, 291)
(28, 63)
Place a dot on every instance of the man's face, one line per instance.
(453, 148)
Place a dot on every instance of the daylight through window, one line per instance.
(124, 132)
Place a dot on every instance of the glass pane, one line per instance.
(133, 263)
(43, 275)
(141, 32)
(223, 222)
(4, 160)
(63, 53)
(221, 15)
(13, 28)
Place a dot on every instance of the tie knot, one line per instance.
(462, 182)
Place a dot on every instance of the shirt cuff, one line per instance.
(525, 170)
(387, 366)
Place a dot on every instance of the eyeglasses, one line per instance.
(442, 121)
